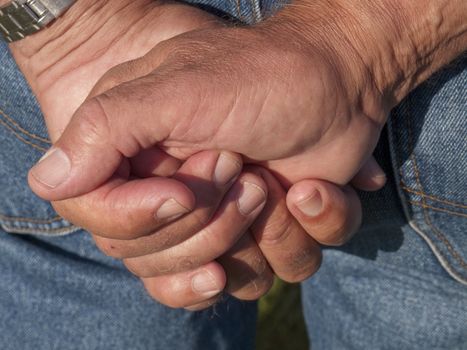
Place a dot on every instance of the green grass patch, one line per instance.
(280, 320)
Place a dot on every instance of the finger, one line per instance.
(292, 254)
(119, 122)
(139, 67)
(249, 276)
(209, 175)
(128, 209)
(370, 177)
(240, 207)
(102, 132)
(185, 289)
(330, 214)
(203, 305)
(154, 162)
(131, 70)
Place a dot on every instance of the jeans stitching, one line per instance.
(38, 230)
(452, 250)
(436, 199)
(34, 136)
(239, 11)
(255, 8)
(10, 219)
(31, 220)
(428, 221)
(420, 204)
(21, 138)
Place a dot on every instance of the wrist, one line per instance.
(397, 43)
(62, 29)
(420, 37)
(66, 43)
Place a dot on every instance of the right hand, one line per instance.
(279, 244)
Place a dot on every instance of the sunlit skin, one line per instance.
(62, 58)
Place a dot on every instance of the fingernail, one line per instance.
(205, 284)
(53, 168)
(311, 205)
(379, 180)
(226, 169)
(376, 174)
(251, 198)
(171, 209)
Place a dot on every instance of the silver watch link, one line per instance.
(21, 18)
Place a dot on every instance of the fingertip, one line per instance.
(203, 305)
(127, 210)
(371, 177)
(210, 280)
(251, 192)
(337, 220)
(228, 167)
(307, 197)
(186, 289)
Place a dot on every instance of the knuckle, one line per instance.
(258, 287)
(253, 282)
(259, 264)
(94, 121)
(277, 229)
(302, 265)
(163, 240)
(187, 263)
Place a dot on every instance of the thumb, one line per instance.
(132, 107)
(104, 129)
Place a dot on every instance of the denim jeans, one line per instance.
(399, 284)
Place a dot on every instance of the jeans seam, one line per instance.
(26, 230)
(428, 221)
(239, 11)
(256, 9)
(24, 131)
(436, 199)
(420, 204)
(30, 220)
(21, 138)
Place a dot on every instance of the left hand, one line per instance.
(311, 85)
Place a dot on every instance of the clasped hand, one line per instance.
(138, 163)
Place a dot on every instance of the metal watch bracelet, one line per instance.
(21, 18)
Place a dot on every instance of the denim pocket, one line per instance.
(23, 140)
(428, 134)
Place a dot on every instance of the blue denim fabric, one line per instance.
(59, 291)
(399, 284)
(245, 11)
(386, 289)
